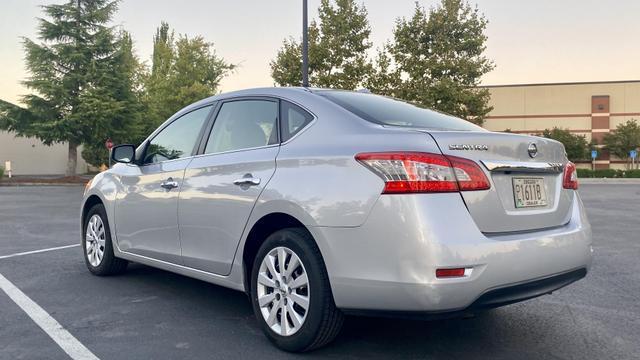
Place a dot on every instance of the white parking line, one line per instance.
(62, 337)
(38, 251)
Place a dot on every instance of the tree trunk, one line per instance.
(72, 159)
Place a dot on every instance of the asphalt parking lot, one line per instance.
(152, 314)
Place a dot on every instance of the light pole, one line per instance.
(305, 46)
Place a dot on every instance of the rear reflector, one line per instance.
(416, 172)
(447, 273)
(570, 177)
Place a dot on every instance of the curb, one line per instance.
(3, 184)
(612, 181)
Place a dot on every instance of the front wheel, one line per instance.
(97, 244)
(290, 292)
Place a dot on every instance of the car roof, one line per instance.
(280, 91)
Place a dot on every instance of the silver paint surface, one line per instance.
(381, 251)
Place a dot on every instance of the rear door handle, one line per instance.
(247, 180)
(169, 184)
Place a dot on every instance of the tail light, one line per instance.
(570, 177)
(415, 172)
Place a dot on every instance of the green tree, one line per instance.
(576, 146)
(74, 76)
(338, 47)
(125, 122)
(438, 60)
(625, 138)
(182, 71)
(384, 78)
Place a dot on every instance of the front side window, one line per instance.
(244, 124)
(178, 139)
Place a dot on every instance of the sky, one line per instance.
(530, 41)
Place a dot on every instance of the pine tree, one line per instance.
(117, 109)
(338, 47)
(439, 59)
(74, 76)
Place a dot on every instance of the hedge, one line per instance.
(1, 172)
(608, 173)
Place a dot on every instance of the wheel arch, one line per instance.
(261, 229)
(90, 202)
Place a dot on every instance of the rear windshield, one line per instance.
(388, 111)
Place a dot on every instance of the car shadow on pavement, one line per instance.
(360, 336)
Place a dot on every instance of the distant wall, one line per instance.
(591, 109)
(29, 156)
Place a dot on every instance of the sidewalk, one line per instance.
(616, 181)
(45, 180)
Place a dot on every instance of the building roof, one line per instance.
(563, 83)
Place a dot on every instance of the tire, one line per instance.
(107, 263)
(321, 320)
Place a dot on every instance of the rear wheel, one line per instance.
(290, 292)
(97, 245)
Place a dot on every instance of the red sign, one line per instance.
(108, 144)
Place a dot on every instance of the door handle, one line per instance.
(247, 180)
(169, 184)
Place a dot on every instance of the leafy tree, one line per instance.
(182, 71)
(626, 137)
(438, 60)
(384, 79)
(576, 146)
(338, 47)
(74, 76)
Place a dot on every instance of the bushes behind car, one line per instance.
(608, 173)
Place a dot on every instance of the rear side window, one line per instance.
(244, 124)
(294, 119)
(387, 111)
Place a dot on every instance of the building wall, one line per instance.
(589, 109)
(29, 156)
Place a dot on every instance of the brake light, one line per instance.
(570, 177)
(416, 172)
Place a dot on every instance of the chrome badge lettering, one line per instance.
(480, 147)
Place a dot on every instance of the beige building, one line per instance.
(29, 156)
(591, 109)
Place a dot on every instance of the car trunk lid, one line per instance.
(526, 179)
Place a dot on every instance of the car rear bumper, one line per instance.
(389, 263)
(491, 299)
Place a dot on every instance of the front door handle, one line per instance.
(169, 184)
(247, 180)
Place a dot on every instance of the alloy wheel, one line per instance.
(283, 291)
(95, 239)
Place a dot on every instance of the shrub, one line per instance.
(584, 173)
(632, 173)
(608, 173)
(1, 172)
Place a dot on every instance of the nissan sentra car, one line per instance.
(319, 203)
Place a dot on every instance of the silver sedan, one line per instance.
(319, 203)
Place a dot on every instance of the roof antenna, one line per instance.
(305, 46)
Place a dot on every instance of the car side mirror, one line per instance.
(125, 153)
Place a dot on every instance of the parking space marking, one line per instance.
(60, 335)
(37, 251)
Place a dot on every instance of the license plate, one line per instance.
(529, 192)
